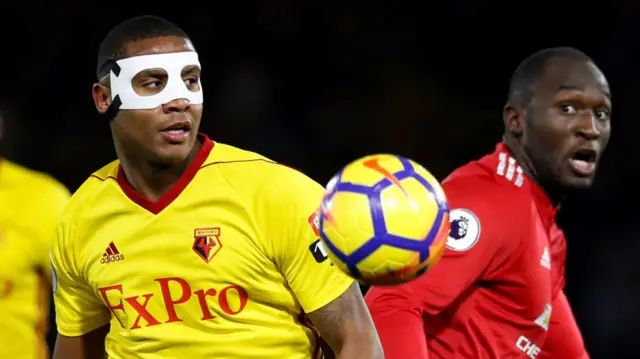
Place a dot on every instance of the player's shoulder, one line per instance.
(44, 185)
(494, 179)
(233, 159)
(255, 171)
(484, 197)
(38, 198)
(91, 191)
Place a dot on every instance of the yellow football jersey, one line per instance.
(30, 204)
(224, 265)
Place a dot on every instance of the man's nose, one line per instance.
(589, 126)
(177, 105)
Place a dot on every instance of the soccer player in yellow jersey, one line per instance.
(30, 203)
(186, 248)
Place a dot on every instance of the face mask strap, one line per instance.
(113, 109)
(105, 70)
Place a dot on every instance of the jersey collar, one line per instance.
(542, 200)
(156, 207)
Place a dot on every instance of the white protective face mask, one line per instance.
(172, 63)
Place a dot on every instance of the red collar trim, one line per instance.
(175, 190)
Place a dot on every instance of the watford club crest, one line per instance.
(207, 243)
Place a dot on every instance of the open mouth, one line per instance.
(178, 128)
(583, 161)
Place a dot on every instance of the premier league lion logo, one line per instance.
(459, 228)
(465, 230)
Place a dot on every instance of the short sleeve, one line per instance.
(475, 249)
(78, 310)
(297, 249)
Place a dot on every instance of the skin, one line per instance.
(346, 325)
(570, 109)
(152, 164)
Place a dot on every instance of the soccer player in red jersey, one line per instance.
(498, 290)
(186, 248)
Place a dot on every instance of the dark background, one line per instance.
(315, 84)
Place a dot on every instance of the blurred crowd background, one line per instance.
(315, 84)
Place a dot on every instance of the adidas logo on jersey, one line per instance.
(509, 169)
(111, 254)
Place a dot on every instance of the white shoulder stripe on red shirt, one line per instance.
(509, 168)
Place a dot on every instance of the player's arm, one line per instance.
(564, 339)
(405, 314)
(345, 323)
(398, 320)
(331, 299)
(82, 320)
(87, 346)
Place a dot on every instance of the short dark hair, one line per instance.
(134, 29)
(521, 87)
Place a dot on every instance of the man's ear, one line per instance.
(513, 118)
(101, 97)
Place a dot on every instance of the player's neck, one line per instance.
(555, 194)
(153, 180)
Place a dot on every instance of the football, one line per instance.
(384, 220)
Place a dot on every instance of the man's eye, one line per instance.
(602, 115)
(190, 81)
(153, 84)
(568, 109)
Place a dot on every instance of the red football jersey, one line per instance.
(497, 291)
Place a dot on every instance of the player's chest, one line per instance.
(558, 251)
(527, 282)
(194, 261)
